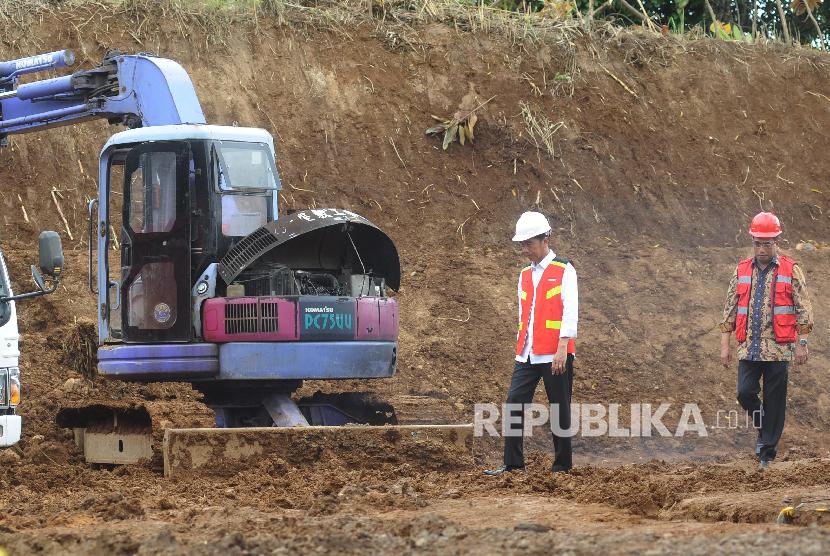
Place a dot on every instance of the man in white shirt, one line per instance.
(545, 349)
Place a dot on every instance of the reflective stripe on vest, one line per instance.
(784, 310)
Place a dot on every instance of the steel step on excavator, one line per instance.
(211, 285)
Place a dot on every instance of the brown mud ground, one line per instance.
(666, 150)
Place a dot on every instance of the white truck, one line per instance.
(51, 264)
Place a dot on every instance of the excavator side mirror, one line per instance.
(51, 263)
(51, 255)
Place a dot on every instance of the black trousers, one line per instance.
(559, 389)
(768, 417)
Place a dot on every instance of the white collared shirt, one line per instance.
(570, 307)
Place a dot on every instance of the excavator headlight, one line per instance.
(14, 386)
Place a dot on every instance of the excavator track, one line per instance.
(223, 452)
(180, 438)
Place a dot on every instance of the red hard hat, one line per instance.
(765, 224)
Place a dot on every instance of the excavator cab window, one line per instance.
(114, 238)
(155, 252)
(153, 193)
(246, 179)
(246, 167)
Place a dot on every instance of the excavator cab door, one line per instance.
(155, 255)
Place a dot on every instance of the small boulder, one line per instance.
(9, 457)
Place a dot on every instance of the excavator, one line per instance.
(200, 279)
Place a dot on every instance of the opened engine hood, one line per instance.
(317, 238)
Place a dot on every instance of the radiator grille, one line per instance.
(251, 318)
(268, 317)
(241, 255)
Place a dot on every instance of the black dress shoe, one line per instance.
(502, 470)
(560, 469)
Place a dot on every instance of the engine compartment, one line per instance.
(317, 275)
(277, 279)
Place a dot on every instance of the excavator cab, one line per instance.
(174, 206)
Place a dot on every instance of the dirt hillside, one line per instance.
(649, 153)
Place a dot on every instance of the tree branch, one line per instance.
(646, 17)
(711, 11)
(631, 10)
(783, 21)
(815, 23)
(754, 20)
(602, 8)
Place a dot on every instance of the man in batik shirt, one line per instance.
(768, 308)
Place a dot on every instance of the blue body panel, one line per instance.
(249, 361)
(159, 362)
(158, 90)
(307, 360)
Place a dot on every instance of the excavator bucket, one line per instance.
(223, 452)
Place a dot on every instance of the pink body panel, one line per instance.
(215, 327)
(368, 319)
(377, 319)
(388, 319)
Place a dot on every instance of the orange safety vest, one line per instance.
(783, 306)
(547, 314)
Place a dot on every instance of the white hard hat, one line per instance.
(531, 224)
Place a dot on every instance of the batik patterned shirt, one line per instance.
(760, 344)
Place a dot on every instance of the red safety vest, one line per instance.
(547, 314)
(783, 306)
